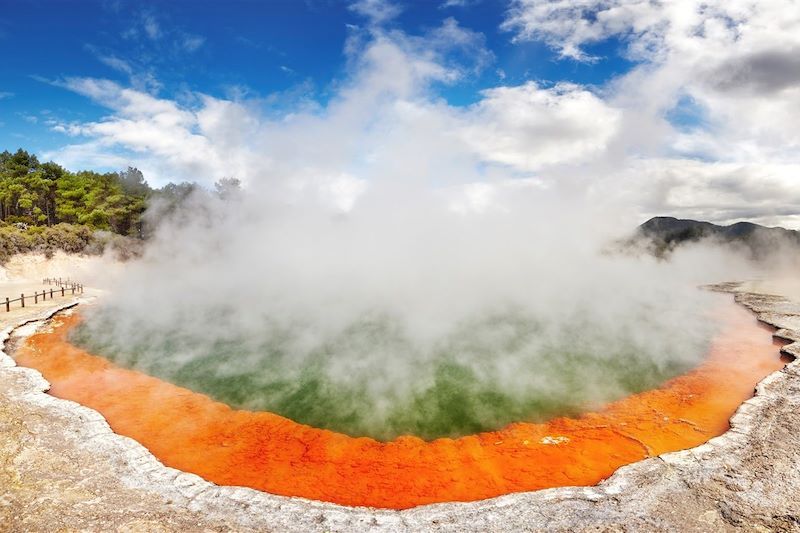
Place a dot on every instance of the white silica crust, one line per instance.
(62, 467)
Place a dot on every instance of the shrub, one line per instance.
(69, 238)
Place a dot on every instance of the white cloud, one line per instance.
(736, 61)
(529, 127)
(568, 25)
(140, 77)
(376, 11)
(151, 26)
(456, 3)
(94, 155)
(386, 116)
(155, 39)
(158, 129)
(191, 43)
(766, 193)
(6, 94)
(32, 119)
(116, 63)
(613, 144)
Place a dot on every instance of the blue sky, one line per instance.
(229, 49)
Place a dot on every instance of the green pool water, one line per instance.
(372, 379)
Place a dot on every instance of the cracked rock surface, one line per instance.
(63, 469)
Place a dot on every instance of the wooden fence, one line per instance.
(62, 283)
(62, 286)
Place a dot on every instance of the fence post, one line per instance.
(8, 305)
(62, 290)
(73, 290)
(22, 299)
(51, 293)
(36, 297)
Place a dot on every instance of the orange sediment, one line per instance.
(262, 450)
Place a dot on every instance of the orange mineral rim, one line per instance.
(191, 432)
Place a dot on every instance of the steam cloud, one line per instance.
(375, 256)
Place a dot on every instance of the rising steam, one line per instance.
(377, 276)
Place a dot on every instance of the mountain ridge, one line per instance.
(665, 233)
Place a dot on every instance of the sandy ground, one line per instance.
(32, 268)
(23, 274)
(62, 469)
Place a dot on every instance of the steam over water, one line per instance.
(372, 378)
(387, 269)
(408, 319)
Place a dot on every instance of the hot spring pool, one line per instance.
(260, 449)
(372, 379)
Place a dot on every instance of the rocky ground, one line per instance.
(62, 469)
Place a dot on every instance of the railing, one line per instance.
(63, 287)
(62, 283)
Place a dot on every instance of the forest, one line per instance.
(44, 207)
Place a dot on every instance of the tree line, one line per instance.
(44, 207)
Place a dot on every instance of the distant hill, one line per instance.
(664, 234)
